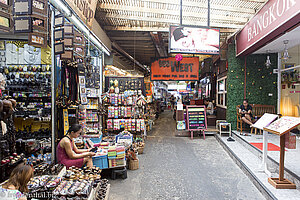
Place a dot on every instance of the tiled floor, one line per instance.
(292, 156)
(254, 163)
(178, 168)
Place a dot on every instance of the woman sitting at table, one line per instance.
(67, 152)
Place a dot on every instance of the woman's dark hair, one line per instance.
(178, 34)
(74, 128)
(19, 177)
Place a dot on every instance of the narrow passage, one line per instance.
(180, 168)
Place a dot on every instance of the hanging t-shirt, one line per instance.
(6, 194)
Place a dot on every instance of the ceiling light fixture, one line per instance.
(285, 52)
(268, 61)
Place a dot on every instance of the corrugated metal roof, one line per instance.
(147, 16)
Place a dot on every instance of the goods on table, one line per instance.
(69, 189)
(83, 174)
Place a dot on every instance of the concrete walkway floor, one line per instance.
(180, 168)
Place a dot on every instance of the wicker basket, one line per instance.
(140, 150)
(134, 164)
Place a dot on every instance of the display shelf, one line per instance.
(92, 121)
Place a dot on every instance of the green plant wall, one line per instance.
(261, 83)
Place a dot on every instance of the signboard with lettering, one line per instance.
(85, 9)
(196, 118)
(283, 125)
(274, 18)
(168, 69)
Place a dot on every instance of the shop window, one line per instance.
(222, 92)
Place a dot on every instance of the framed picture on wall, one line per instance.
(69, 29)
(59, 48)
(22, 7)
(59, 34)
(68, 41)
(37, 39)
(39, 6)
(39, 22)
(59, 20)
(5, 3)
(22, 25)
(67, 55)
(5, 22)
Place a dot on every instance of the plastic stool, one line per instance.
(227, 125)
(120, 172)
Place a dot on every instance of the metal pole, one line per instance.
(279, 83)
(52, 85)
(100, 62)
(208, 13)
(180, 12)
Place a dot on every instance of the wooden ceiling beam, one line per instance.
(136, 45)
(174, 21)
(130, 38)
(186, 4)
(170, 19)
(159, 44)
(157, 29)
(127, 55)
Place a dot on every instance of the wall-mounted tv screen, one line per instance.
(197, 40)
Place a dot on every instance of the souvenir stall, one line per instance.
(124, 123)
(125, 103)
(78, 64)
(25, 66)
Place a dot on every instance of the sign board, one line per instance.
(126, 83)
(149, 88)
(265, 120)
(283, 125)
(85, 9)
(168, 69)
(196, 40)
(274, 18)
(196, 118)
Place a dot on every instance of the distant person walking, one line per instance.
(172, 101)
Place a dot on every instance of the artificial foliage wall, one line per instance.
(260, 82)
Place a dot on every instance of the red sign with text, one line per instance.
(275, 17)
(168, 69)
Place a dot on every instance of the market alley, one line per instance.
(180, 168)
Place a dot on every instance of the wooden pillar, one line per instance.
(281, 162)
